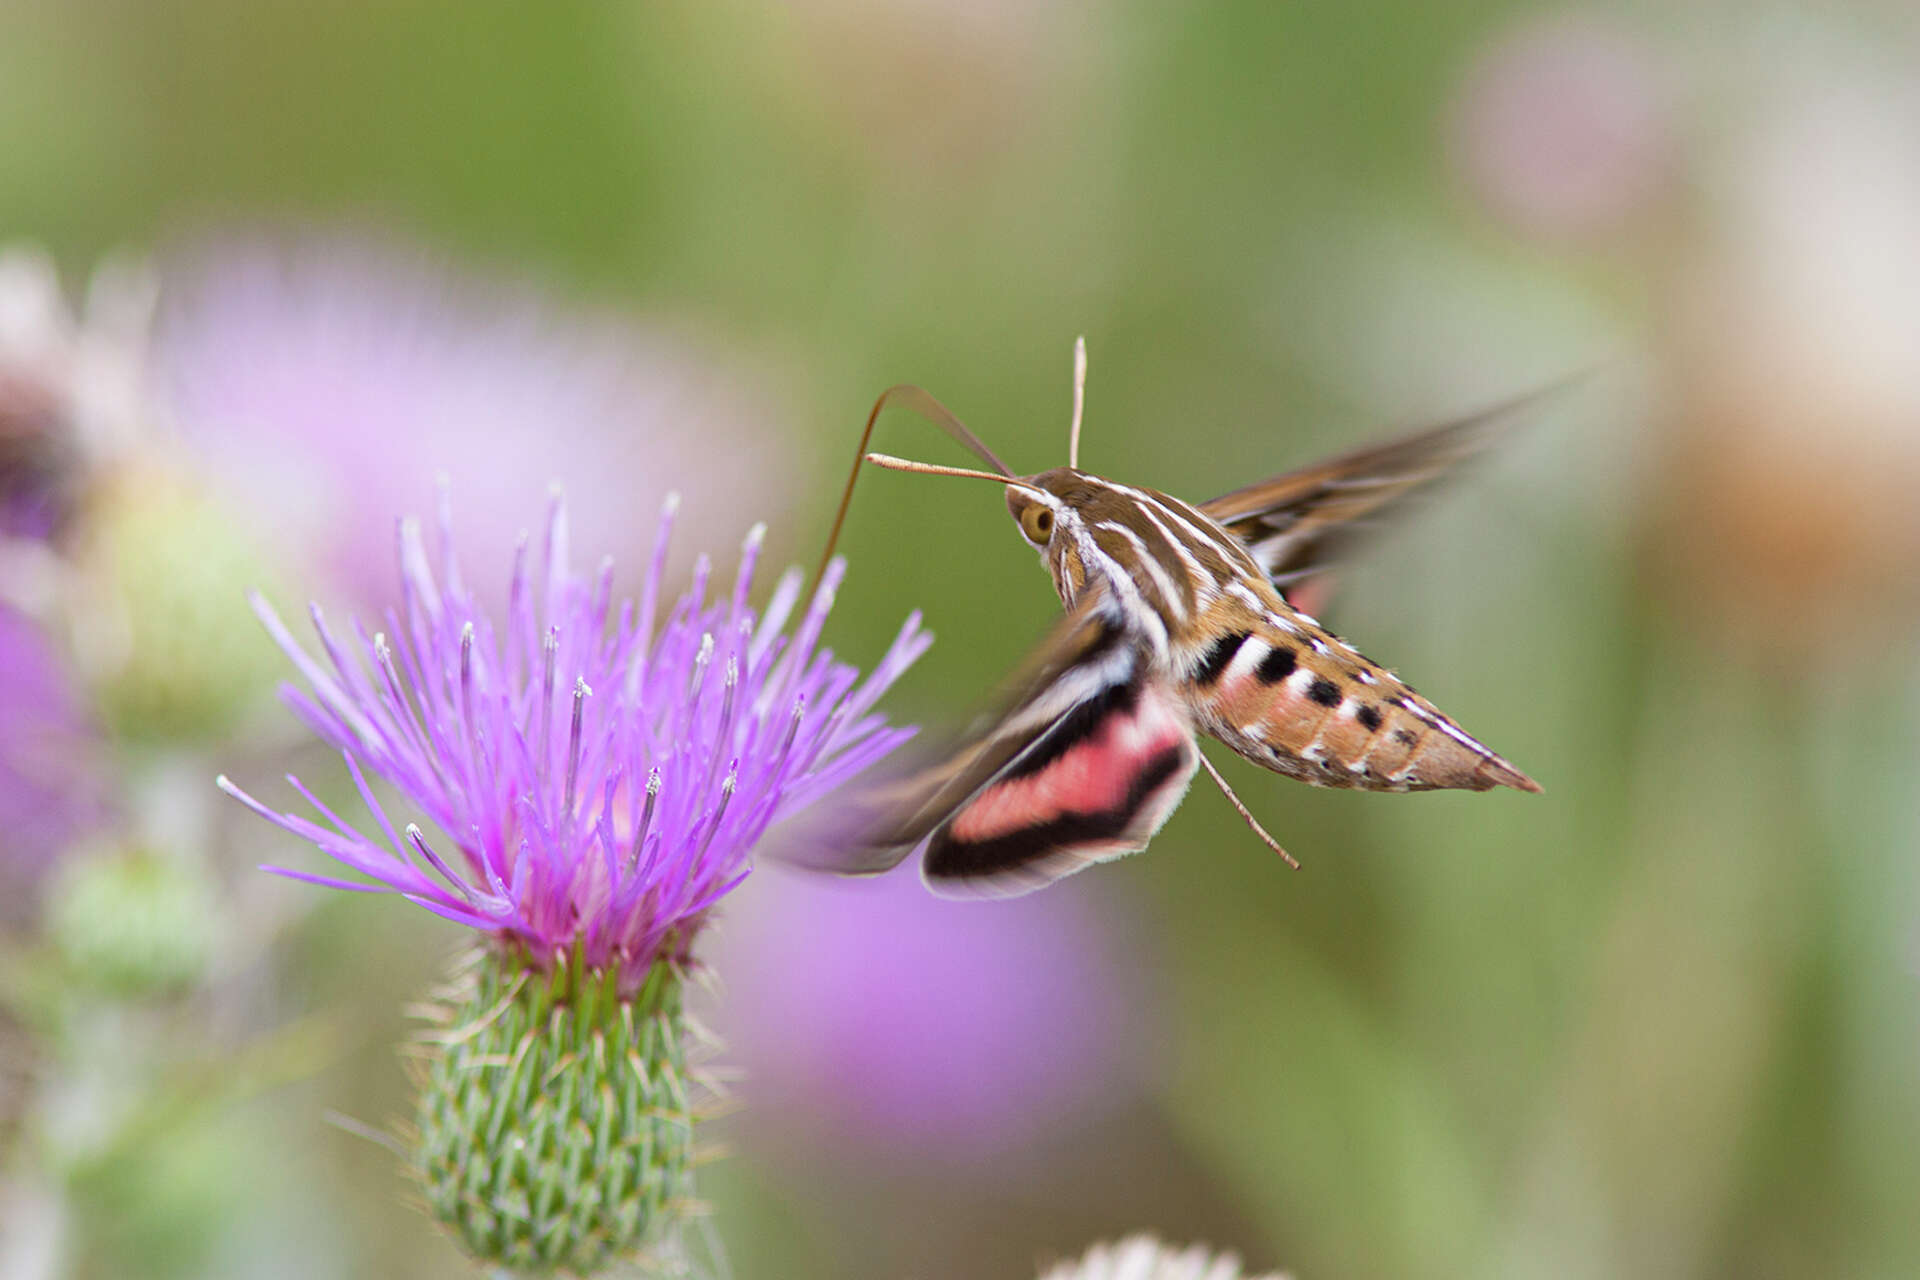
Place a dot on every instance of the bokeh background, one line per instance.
(276, 267)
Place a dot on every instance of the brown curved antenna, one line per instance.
(918, 399)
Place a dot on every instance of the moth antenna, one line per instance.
(1079, 400)
(1252, 821)
(918, 399)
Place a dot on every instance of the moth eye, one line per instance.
(1037, 523)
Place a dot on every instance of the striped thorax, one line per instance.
(1258, 674)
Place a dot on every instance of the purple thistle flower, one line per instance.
(597, 782)
(53, 789)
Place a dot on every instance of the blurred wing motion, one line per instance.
(1296, 524)
(1086, 764)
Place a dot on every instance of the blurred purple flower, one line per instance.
(1561, 127)
(604, 785)
(329, 385)
(37, 333)
(874, 1012)
(36, 461)
(51, 788)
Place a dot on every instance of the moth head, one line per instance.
(1044, 510)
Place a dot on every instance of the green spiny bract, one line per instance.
(555, 1122)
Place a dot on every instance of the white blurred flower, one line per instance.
(1142, 1257)
(1561, 126)
(1794, 455)
(72, 394)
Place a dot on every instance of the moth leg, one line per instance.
(1252, 821)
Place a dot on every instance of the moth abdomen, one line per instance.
(1302, 702)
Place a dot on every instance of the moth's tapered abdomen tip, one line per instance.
(1498, 773)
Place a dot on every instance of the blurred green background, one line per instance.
(1661, 1021)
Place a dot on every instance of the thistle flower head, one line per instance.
(590, 775)
(1142, 1257)
(596, 775)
